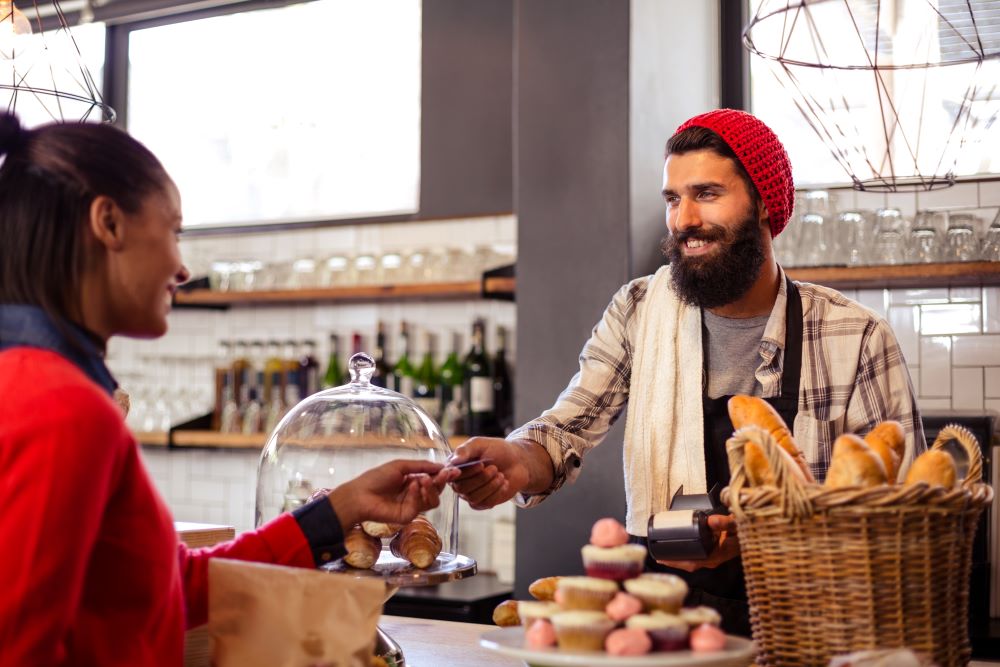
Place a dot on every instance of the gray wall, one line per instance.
(599, 86)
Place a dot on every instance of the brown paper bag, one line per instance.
(276, 616)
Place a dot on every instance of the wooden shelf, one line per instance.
(492, 287)
(223, 440)
(958, 274)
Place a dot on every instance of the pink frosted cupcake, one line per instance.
(628, 641)
(668, 632)
(608, 533)
(622, 607)
(659, 591)
(707, 638)
(586, 593)
(615, 563)
(582, 630)
(540, 634)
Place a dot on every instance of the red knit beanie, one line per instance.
(760, 153)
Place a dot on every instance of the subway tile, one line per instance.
(871, 201)
(905, 323)
(932, 404)
(965, 294)
(935, 367)
(874, 299)
(992, 381)
(208, 491)
(967, 388)
(976, 350)
(954, 318)
(906, 202)
(991, 310)
(914, 372)
(960, 194)
(900, 297)
(989, 193)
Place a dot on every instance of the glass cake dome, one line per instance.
(339, 433)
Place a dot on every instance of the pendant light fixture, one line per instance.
(43, 77)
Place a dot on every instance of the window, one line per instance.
(936, 106)
(307, 112)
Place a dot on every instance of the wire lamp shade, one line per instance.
(900, 91)
(42, 74)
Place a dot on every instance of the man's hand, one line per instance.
(727, 546)
(393, 492)
(507, 468)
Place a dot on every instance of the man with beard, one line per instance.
(720, 319)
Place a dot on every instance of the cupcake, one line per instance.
(615, 563)
(582, 630)
(695, 616)
(628, 641)
(540, 634)
(707, 638)
(586, 593)
(531, 611)
(622, 607)
(659, 592)
(608, 533)
(668, 632)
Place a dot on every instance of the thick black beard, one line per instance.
(725, 275)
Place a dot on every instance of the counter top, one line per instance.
(427, 643)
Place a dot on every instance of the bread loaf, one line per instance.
(417, 542)
(854, 464)
(751, 410)
(759, 473)
(888, 441)
(362, 549)
(936, 467)
(505, 615)
(544, 589)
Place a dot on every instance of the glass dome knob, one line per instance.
(362, 368)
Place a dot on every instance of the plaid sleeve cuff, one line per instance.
(566, 461)
(320, 525)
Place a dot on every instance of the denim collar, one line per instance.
(23, 325)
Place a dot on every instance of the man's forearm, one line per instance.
(541, 472)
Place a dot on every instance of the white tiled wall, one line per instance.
(218, 486)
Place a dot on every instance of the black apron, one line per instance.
(723, 587)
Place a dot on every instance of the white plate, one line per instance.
(510, 641)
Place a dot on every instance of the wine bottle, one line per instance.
(334, 376)
(403, 370)
(477, 389)
(383, 372)
(223, 380)
(503, 388)
(274, 369)
(450, 378)
(308, 370)
(425, 381)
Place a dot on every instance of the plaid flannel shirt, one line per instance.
(853, 377)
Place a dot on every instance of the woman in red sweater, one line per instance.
(91, 572)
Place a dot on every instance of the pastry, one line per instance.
(532, 610)
(587, 593)
(628, 641)
(854, 464)
(379, 529)
(668, 632)
(540, 634)
(608, 532)
(622, 607)
(659, 591)
(747, 410)
(888, 441)
(615, 563)
(935, 467)
(759, 472)
(582, 630)
(695, 616)
(544, 589)
(505, 615)
(707, 638)
(362, 549)
(417, 542)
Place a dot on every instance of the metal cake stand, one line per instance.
(398, 573)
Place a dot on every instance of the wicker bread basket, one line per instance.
(831, 571)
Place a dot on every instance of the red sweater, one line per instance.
(91, 572)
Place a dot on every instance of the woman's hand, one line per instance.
(727, 546)
(394, 492)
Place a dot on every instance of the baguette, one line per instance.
(854, 464)
(362, 549)
(417, 542)
(759, 473)
(936, 467)
(747, 410)
(888, 441)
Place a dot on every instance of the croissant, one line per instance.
(888, 441)
(854, 464)
(379, 529)
(362, 548)
(417, 542)
(746, 410)
(544, 589)
(505, 615)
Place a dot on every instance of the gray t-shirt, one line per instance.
(732, 354)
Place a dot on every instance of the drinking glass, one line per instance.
(852, 238)
(961, 244)
(991, 241)
(390, 266)
(302, 274)
(889, 239)
(812, 245)
(365, 269)
(924, 246)
(337, 271)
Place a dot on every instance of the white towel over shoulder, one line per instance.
(664, 439)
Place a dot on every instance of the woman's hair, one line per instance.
(49, 178)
